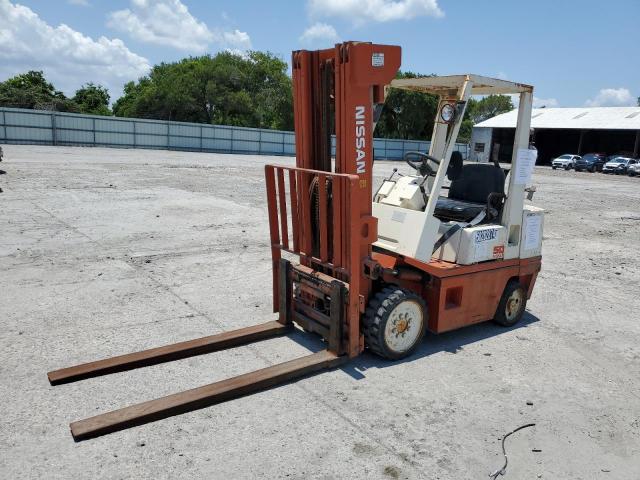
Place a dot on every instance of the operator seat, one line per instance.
(475, 187)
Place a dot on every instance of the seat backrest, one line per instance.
(476, 182)
(455, 166)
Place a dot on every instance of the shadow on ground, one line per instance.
(451, 342)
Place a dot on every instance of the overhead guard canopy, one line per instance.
(449, 85)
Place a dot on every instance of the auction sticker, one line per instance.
(486, 235)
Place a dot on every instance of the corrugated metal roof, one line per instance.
(592, 118)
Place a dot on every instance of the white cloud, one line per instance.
(162, 22)
(81, 3)
(67, 57)
(236, 40)
(612, 97)
(362, 11)
(544, 102)
(319, 32)
(169, 23)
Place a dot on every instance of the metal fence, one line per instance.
(19, 126)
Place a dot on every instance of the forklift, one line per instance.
(368, 271)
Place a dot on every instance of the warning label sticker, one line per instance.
(498, 251)
(377, 60)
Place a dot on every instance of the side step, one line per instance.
(168, 353)
(203, 396)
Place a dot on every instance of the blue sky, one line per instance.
(575, 53)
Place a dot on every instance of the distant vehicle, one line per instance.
(566, 161)
(592, 162)
(633, 170)
(618, 165)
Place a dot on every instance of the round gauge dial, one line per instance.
(447, 112)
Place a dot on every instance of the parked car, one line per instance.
(566, 161)
(633, 170)
(618, 165)
(591, 161)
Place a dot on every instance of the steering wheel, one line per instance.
(423, 167)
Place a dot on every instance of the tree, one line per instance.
(407, 115)
(480, 110)
(92, 99)
(488, 107)
(639, 101)
(227, 89)
(32, 90)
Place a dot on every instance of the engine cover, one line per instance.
(473, 244)
(403, 192)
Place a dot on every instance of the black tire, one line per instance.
(592, 169)
(505, 316)
(568, 167)
(553, 168)
(379, 313)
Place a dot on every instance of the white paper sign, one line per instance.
(525, 162)
(532, 232)
(377, 60)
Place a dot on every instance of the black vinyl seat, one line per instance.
(471, 192)
(449, 209)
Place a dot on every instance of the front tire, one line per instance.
(512, 304)
(394, 323)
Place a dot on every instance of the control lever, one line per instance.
(530, 191)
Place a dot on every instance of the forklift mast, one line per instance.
(339, 90)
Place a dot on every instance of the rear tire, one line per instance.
(553, 168)
(512, 304)
(394, 323)
(568, 167)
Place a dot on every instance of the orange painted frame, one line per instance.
(360, 71)
(461, 295)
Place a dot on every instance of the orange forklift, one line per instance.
(364, 270)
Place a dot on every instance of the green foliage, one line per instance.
(481, 110)
(32, 90)
(464, 135)
(230, 89)
(226, 89)
(639, 101)
(92, 99)
(410, 115)
(407, 115)
(488, 107)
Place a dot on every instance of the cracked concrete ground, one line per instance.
(106, 251)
